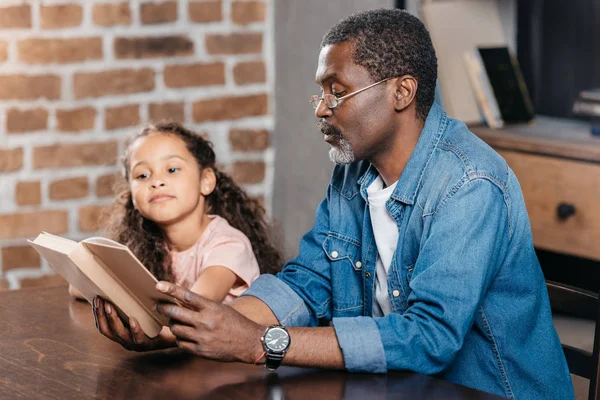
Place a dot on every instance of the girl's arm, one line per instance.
(215, 282)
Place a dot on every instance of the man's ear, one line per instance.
(405, 92)
(208, 181)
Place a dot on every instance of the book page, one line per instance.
(56, 252)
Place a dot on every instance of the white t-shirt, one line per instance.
(386, 238)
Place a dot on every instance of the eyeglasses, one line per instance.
(331, 101)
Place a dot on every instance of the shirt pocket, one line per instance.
(344, 255)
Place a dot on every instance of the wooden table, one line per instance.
(50, 349)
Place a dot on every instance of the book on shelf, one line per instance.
(586, 108)
(507, 83)
(590, 94)
(482, 89)
(99, 266)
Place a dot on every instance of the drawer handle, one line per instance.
(564, 211)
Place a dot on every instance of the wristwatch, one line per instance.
(275, 341)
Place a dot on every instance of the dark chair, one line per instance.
(575, 315)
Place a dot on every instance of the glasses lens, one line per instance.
(331, 101)
(314, 101)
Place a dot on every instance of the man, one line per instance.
(421, 255)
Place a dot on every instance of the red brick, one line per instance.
(230, 108)
(249, 140)
(19, 257)
(158, 13)
(153, 47)
(4, 285)
(61, 16)
(249, 72)
(42, 281)
(11, 159)
(108, 14)
(15, 17)
(122, 116)
(123, 81)
(205, 11)
(74, 155)
(29, 87)
(3, 50)
(105, 184)
(194, 75)
(74, 120)
(28, 193)
(166, 112)
(22, 225)
(70, 188)
(62, 51)
(247, 12)
(19, 121)
(234, 43)
(92, 218)
(248, 172)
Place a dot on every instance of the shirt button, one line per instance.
(367, 274)
(358, 265)
(396, 293)
(334, 254)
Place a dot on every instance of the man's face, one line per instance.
(362, 124)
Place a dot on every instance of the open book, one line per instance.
(102, 267)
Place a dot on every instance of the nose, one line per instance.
(157, 182)
(322, 111)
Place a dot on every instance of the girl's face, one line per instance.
(167, 185)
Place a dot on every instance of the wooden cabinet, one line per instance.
(557, 163)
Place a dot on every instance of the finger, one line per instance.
(137, 334)
(185, 296)
(118, 328)
(184, 332)
(101, 320)
(190, 347)
(177, 313)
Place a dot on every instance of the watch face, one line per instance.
(277, 339)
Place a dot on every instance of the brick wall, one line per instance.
(78, 76)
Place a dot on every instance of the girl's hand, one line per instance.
(132, 337)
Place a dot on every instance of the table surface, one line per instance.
(548, 136)
(50, 349)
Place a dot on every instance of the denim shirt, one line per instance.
(468, 295)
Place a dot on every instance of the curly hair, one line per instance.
(389, 43)
(146, 239)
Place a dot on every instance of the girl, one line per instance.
(185, 220)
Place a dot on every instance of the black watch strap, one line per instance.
(273, 360)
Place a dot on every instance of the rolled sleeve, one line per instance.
(288, 307)
(361, 344)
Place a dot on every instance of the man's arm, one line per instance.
(255, 310)
(219, 331)
(310, 347)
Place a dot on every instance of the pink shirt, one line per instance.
(220, 244)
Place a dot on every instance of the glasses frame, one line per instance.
(331, 101)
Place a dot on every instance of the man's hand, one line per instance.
(212, 330)
(132, 337)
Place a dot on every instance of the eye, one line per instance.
(337, 94)
(141, 176)
(172, 170)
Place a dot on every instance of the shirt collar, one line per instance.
(408, 184)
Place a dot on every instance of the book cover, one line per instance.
(506, 79)
(102, 267)
(482, 89)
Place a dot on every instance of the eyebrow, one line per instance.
(327, 77)
(165, 158)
